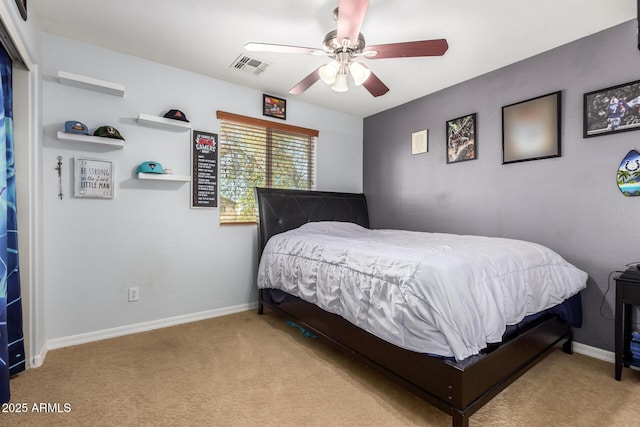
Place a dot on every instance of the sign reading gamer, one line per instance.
(204, 170)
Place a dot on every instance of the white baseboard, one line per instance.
(37, 360)
(598, 353)
(139, 327)
(595, 352)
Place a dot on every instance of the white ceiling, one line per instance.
(205, 36)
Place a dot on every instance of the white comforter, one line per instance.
(434, 293)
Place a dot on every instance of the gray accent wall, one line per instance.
(571, 203)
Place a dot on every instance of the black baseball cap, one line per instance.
(176, 115)
(108, 132)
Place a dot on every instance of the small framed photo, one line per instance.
(420, 142)
(274, 107)
(461, 139)
(612, 110)
(92, 178)
(531, 129)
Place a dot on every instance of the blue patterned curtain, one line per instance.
(11, 340)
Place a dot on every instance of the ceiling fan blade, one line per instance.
(306, 83)
(407, 49)
(350, 17)
(375, 86)
(280, 48)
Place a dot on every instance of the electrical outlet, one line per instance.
(134, 294)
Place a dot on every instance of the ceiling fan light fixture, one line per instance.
(345, 44)
(340, 85)
(329, 72)
(359, 72)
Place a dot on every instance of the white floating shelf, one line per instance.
(90, 83)
(98, 140)
(163, 177)
(163, 122)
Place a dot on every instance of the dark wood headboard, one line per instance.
(281, 210)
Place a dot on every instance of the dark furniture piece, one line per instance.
(458, 388)
(627, 295)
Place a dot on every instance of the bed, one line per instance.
(458, 386)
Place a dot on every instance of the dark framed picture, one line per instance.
(461, 139)
(22, 7)
(274, 107)
(612, 110)
(531, 129)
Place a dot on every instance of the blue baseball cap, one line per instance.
(150, 167)
(72, 126)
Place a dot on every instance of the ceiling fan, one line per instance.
(346, 44)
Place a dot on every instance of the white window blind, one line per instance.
(260, 153)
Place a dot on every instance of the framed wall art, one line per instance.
(461, 139)
(93, 178)
(274, 107)
(612, 110)
(420, 142)
(531, 129)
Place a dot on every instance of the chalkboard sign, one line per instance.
(204, 170)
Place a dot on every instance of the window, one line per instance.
(260, 153)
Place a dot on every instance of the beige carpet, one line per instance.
(245, 369)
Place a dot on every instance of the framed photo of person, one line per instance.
(612, 110)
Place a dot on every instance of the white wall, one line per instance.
(182, 260)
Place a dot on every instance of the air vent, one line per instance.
(249, 65)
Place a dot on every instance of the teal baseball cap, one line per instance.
(150, 167)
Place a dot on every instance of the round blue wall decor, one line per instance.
(629, 174)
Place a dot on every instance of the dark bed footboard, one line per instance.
(458, 388)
